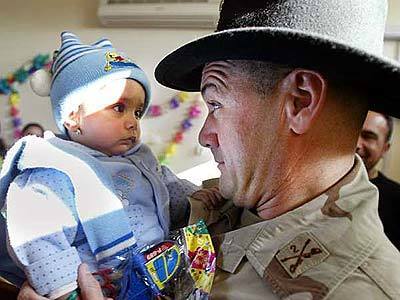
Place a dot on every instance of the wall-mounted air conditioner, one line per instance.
(159, 13)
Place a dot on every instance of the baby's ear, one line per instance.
(73, 121)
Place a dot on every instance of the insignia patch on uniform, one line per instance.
(301, 254)
(114, 59)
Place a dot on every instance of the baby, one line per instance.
(97, 191)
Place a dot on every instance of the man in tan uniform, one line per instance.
(288, 84)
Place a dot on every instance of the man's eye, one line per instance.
(213, 105)
(138, 114)
(119, 108)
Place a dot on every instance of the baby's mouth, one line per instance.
(132, 140)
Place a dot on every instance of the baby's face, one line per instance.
(110, 123)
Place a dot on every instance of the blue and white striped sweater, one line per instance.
(134, 178)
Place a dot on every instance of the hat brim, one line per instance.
(377, 75)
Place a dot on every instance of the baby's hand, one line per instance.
(210, 197)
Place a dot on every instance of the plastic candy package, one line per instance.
(182, 267)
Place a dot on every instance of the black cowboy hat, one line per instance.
(339, 36)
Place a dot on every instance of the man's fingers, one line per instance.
(90, 288)
(27, 293)
(214, 189)
(203, 196)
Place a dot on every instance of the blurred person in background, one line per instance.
(3, 150)
(33, 129)
(373, 144)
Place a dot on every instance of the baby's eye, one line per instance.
(138, 113)
(119, 107)
(213, 105)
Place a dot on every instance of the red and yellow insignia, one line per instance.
(114, 59)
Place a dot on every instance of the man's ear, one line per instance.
(386, 147)
(305, 97)
(73, 121)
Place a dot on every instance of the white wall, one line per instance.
(28, 28)
(393, 18)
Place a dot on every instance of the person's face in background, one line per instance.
(33, 130)
(372, 143)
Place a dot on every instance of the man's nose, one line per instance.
(207, 136)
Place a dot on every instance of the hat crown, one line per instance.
(72, 48)
(357, 23)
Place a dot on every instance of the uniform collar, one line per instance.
(259, 240)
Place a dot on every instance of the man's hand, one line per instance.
(27, 293)
(210, 197)
(90, 288)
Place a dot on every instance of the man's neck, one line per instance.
(309, 180)
(373, 173)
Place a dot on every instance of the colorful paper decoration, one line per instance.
(173, 103)
(8, 87)
(186, 124)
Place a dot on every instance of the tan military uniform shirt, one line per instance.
(332, 247)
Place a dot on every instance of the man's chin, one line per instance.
(364, 159)
(368, 165)
(225, 193)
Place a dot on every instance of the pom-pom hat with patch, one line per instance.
(343, 37)
(79, 71)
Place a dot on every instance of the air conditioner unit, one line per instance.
(159, 13)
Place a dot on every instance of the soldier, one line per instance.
(288, 85)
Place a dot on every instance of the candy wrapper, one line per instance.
(182, 267)
(199, 249)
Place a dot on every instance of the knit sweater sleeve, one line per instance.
(179, 190)
(41, 227)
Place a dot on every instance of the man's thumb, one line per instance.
(90, 288)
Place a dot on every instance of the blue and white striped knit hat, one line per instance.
(78, 69)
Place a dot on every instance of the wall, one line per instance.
(31, 27)
(393, 18)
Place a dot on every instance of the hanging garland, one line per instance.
(8, 87)
(186, 124)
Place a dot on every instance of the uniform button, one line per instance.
(364, 264)
(228, 242)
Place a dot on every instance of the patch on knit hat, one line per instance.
(117, 60)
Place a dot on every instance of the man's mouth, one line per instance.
(219, 162)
